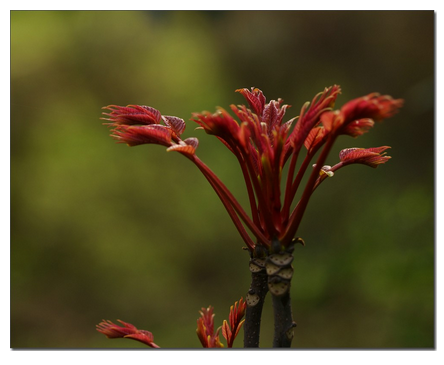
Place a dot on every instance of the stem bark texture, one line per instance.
(255, 302)
(280, 271)
(283, 321)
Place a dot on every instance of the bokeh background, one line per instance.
(100, 230)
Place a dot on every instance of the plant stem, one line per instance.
(255, 301)
(280, 271)
(283, 320)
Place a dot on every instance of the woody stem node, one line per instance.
(280, 271)
(255, 298)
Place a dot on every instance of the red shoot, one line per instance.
(263, 142)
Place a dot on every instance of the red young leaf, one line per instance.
(310, 116)
(358, 127)
(373, 106)
(255, 98)
(132, 114)
(226, 332)
(136, 135)
(237, 312)
(368, 156)
(315, 138)
(186, 149)
(205, 329)
(175, 123)
(111, 330)
(220, 124)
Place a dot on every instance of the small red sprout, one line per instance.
(205, 326)
(111, 330)
(205, 329)
(237, 312)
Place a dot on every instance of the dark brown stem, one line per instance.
(283, 320)
(255, 301)
(280, 271)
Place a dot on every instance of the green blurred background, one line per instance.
(100, 230)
